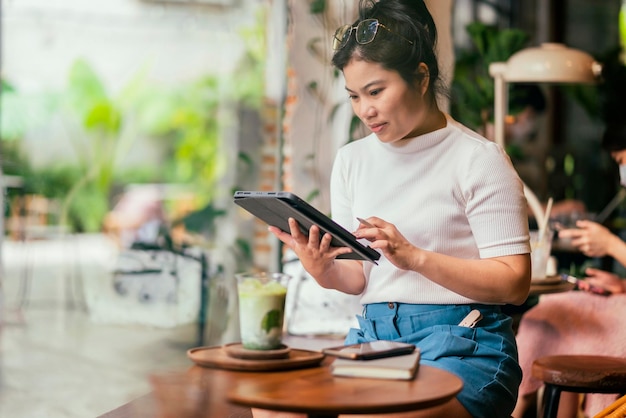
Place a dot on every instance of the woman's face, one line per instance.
(386, 104)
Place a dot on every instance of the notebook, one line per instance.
(274, 208)
(396, 367)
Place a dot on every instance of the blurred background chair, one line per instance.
(579, 374)
(33, 221)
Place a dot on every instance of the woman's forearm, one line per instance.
(617, 249)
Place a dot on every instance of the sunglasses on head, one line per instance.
(365, 32)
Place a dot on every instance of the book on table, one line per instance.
(402, 367)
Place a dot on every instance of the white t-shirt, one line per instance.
(450, 191)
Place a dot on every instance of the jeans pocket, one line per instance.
(380, 328)
(448, 340)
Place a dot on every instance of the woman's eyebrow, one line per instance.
(367, 86)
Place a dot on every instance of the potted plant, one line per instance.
(472, 86)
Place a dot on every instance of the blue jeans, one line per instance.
(484, 357)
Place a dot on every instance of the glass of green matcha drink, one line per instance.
(261, 309)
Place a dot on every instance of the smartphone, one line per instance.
(592, 289)
(370, 350)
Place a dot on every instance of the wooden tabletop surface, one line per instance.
(310, 390)
(317, 392)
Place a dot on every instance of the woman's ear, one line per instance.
(422, 78)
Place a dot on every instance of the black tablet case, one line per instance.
(274, 208)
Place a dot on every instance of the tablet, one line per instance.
(275, 208)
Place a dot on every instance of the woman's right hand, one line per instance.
(591, 238)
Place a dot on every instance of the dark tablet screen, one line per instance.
(275, 208)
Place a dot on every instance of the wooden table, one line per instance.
(542, 289)
(313, 391)
(317, 393)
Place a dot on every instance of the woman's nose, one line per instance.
(367, 111)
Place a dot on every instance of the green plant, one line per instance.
(12, 118)
(472, 86)
(190, 120)
(19, 112)
(186, 117)
(95, 125)
(102, 127)
(100, 136)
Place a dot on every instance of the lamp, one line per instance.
(547, 63)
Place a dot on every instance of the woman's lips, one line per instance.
(377, 127)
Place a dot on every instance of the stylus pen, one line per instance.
(365, 223)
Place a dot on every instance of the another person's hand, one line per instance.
(386, 237)
(604, 279)
(568, 207)
(591, 238)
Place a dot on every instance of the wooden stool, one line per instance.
(580, 374)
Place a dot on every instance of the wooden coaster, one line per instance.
(237, 350)
(216, 357)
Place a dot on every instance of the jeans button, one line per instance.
(391, 305)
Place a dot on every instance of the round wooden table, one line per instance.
(316, 392)
(223, 389)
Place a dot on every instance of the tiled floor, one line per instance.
(56, 362)
(59, 360)
(59, 365)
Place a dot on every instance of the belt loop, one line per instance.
(364, 312)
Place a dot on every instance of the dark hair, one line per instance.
(409, 19)
(612, 93)
(614, 137)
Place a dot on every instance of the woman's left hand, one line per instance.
(386, 237)
(314, 251)
(604, 279)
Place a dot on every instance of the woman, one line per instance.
(446, 210)
(572, 323)
(580, 322)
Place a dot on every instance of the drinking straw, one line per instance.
(546, 218)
